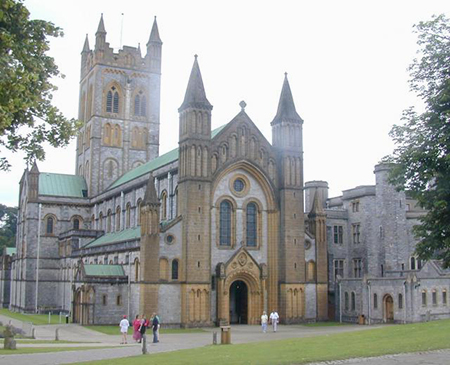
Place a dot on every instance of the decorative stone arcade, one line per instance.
(241, 289)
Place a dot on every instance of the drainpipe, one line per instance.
(37, 260)
(129, 283)
(340, 303)
(369, 301)
(404, 296)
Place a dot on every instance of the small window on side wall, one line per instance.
(50, 224)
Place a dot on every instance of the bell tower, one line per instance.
(119, 108)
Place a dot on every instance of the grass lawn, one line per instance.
(115, 330)
(34, 350)
(29, 341)
(376, 342)
(325, 324)
(36, 319)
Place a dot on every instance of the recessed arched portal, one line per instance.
(388, 309)
(239, 302)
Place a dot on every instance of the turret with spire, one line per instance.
(287, 141)
(154, 49)
(317, 226)
(194, 191)
(100, 36)
(149, 250)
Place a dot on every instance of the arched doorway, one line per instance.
(239, 302)
(388, 309)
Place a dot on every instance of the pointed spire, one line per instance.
(154, 34)
(101, 26)
(317, 207)
(139, 49)
(150, 196)
(195, 93)
(286, 107)
(34, 168)
(86, 48)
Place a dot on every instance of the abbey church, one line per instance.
(213, 232)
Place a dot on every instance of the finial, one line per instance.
(285, 75)
(195, 56)
(242, 104)
(155, 17)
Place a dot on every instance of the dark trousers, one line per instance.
(155, 336)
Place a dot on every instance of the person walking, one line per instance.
(124, 324)
(136, 325)
(155, 326)
(264, 320)
(274, 317)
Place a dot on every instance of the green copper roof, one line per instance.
(103, 270)
(130, 234)
(61, 185)
(158, 162)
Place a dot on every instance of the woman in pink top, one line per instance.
(136, 326)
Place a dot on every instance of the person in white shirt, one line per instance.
(274, 319)
(264, 320)
(124, 324)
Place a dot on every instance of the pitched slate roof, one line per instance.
(129, 234)
(150, 166)
(62, 185)
(104, 270)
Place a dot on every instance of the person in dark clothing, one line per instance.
(155, 326)
(144, 325)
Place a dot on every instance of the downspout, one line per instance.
(129, 283)
(369, 301)
(37, 260)
(340, 303)
(405, 307)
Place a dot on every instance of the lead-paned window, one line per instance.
(225, 223)
(251, 224)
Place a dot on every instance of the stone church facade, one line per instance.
(211, 232)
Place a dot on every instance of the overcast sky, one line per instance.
(346, 63)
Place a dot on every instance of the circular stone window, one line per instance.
(170, 239)
(239, 185)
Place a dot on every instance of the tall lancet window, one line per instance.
(140, 105)
(225, 223)
(112, 100)
(251, 224)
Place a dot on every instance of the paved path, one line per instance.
(173, 342)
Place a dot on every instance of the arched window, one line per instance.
(100, 221)
(311, 271)
(252, 225)
(109, 98)
(353, 301)
(138, 213)
(118, 219)
(108, 223)
(76, 223)
(143, 106)
(176, 201)
(135, 137)
(137, 105)
(50, 225)
(346, 301)
(175, 270)
(225, 223)
(164, 205)
(107, 134)
(413, 263)
(136, 270)
(117, 136)
(128, 216)
(375, 301)
(112, 100)
(116, 102)
(400, 301)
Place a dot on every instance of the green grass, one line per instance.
(34, 350)
(375, 342)
(115, 330)
(29, 341)
(325, 324)
(36, 319)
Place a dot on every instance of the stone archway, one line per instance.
(238, 302)
(241, 270)
(388, 308)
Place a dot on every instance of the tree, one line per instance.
(422, 154)
(8, 226)
(27, 116)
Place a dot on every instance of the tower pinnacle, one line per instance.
(286, 107)
(195, 93)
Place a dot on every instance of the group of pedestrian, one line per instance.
(273, 318)
(140, 326)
